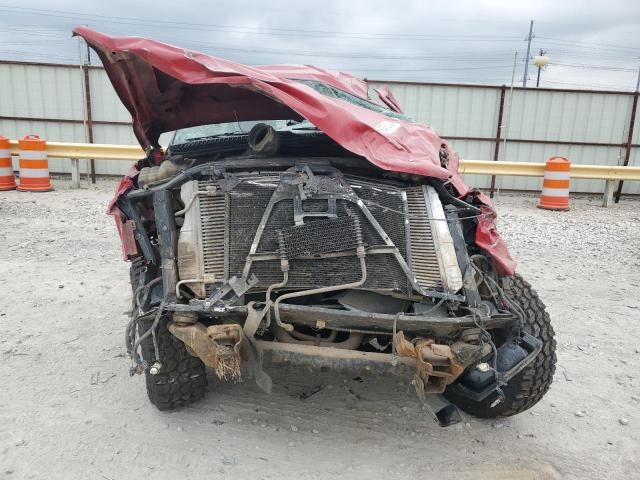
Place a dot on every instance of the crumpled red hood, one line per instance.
(166, 88)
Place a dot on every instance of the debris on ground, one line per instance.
(71, 428)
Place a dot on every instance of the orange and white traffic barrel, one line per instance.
(34, 165)
(555, 186)
(7, 179)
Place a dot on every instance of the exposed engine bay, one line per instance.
(300, 217)
(318, 261)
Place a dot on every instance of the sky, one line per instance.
(590, 44)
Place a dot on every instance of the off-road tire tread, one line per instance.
(182, 378)
(528, 387)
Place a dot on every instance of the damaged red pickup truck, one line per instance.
(299, 217)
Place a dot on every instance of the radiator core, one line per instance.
(220, 227)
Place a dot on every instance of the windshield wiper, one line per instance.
(227, 134)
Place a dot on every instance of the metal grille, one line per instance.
(247, 203)
(386, 204)
(230, 221)
(320, 236)
(213, 227)
(424, 258)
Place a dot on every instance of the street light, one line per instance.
(540, 61)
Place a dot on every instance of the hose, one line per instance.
(147, 291)
(284, 266)
(360, 252)
(444, 193)
(316, 291)
(268, 302)
(188, 205)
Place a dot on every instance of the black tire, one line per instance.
(530, 385)
(182, 378)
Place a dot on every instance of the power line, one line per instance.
(433, 64)
(595, 44)
(32, 31)
(596, 85)
(577, 53)
(594, 67)
(307, 53)
(436, 69)
(595, 49)
(253, 30)
(45, 56)
(31, 42)
(360, 68)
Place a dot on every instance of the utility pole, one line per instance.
(526, 59)
(542, 52)
(507, 123)
(506, 126)
(638, 80)
(88, 53)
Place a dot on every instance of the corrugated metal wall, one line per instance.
(106, 107)
(42, 92)
(49, 100)
(536, 123)
(567, 117)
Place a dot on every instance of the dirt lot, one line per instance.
(68, 409)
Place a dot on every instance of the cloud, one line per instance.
(457, 41)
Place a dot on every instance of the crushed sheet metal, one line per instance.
(435, 364)
(218, 346)
(167, 88)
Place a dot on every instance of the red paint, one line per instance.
(166, 88)
(126, 183)
(125, 227)
(386, 95)
(488, 239)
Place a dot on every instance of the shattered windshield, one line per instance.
(330, 91)
(212, 130)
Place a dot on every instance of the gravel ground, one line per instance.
(68, 409)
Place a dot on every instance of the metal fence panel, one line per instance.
(38, 91)
(105, 103)
(450, 110)
(465, 115)
(570, 117)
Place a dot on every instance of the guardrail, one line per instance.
(611, 174)
(97, 151)
(526, 169)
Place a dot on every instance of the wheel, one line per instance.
(529, 386)
(182, 377)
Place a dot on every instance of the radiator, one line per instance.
(220, 227)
